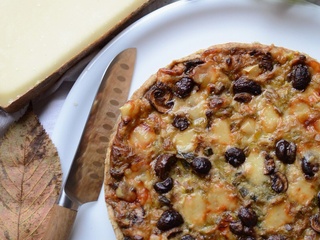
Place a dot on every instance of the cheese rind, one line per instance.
(47, 35)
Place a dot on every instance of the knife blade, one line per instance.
(86, 174)
(316, 2)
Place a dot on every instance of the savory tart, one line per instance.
(222, 144)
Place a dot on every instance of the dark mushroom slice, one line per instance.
(309, 168)
(207, 151)
(126, 192)
(244, 85)
(164, 201)
(164, 186)
(191, 64)
(315, 222)
(163, 164)
(160, 97)
(269, 165)
(181, 122)
(248, 217)
(318, 199)
(201, 165)
(187, 237)
(169, 219)
(266, 62)
(235, 156)
(286, 151)
(279, 182)
(184, 87)
(300, 76)
(239, 229)
(243, 97)
(136, 216)
(236, 227)
(216, 88)
(117, 173)
(215, 103)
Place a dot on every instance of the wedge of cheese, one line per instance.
(40, 39)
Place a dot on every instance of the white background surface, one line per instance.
(169, 33)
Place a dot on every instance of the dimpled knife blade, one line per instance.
(86, 174)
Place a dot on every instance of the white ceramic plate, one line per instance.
(173, 32)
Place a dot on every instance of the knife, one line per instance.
(86, 174)
(316, 2)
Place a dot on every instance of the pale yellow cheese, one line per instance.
(248, 127)
(221, 198)
(221, 131)
(277, 216)
(299, 190)
(142, 137)
(194, 209)
(185, 141)
(270, 119)
(253, 168)
(40, 36)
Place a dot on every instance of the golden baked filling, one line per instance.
(222, 144)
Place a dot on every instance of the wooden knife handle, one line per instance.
(60, 223)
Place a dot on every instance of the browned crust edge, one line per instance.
(140, 93)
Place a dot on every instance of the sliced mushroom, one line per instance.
(126, 192)
(266, 62)
(187, 237)
(243, 97)
(160, 97)
(240, 230)
(279, 182)
(181, 122)
(191, 64)
(163, 200)
(236, 227)
(163, 164)
(309, 168)
(315, 222)
(215, 103)
(269, 165)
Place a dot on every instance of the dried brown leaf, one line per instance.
(30, 179)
